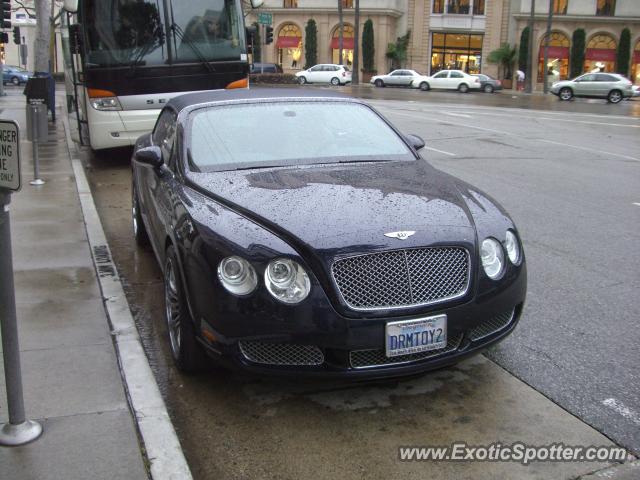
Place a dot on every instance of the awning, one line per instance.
(601, 54)
(555, 52)
(288, 42)
(347, 43)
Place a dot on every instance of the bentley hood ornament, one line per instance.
(400, 235)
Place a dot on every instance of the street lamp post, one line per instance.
(547, 37)
(529, 77)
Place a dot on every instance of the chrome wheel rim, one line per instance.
(614, 97)
(15, 81)
(565, 95)
(335, 81)
(463, 88)
(172, 306)
(488, 89)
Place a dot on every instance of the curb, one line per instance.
(163, 451)
(626, 471)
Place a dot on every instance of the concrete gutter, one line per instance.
(626, 471)
(163, 450)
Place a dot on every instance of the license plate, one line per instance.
(413, 336)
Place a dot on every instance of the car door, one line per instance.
(455, 79)
(314, 73)
(405, 78)
(392, 78)
(154, 181)
(439, 80)
(585, 85)
(604, 84)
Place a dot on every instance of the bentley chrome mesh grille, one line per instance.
(491, 326)
(281, 353)
(377, 358)
(402, 278)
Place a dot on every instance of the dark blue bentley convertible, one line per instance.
(300, 232)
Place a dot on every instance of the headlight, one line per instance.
(237, 275)
(287, 281)
(513, 247)
(492, 258)
(106, 103)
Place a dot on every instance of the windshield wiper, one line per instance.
(175, 28)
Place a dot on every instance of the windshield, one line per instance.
(290, 133)
(160, 32)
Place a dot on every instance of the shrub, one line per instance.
(624, 53)
(577, 52)
(311, 44)
(368, 48)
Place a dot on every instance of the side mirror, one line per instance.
(415, 141)
(70, 6)
(150, 156)
(256, 3)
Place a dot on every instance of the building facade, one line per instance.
(603, 22)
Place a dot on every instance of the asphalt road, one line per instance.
(568, 173)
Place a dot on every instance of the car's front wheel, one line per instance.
(379, 83)
(302, 80)
(615, 96)
(424, 86)
(335, 81)
(15, 81)
(139, 230)
(463, 88)
(488, 88)
(187, 354)
(565, 94)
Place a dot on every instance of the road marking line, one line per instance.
(622, 409)
(636, 203)
(552, 119)
(440, 151)
(591, 150)
(161, 444)
(457, 115)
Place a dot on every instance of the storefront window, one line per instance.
(478, 7)
(289, 46)
(290, 4)
(347, 45)
(438, 6)
(347, 3)
(558, 57)
(456, 51)
(560, 7)
(606, 8)
(600, 55)
(458, 7)
(635, 64)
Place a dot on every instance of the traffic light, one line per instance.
(5, 8)
(16, 35)
(4, 37)
(268, 35)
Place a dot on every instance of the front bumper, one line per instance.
(471, 328)
(112, 129)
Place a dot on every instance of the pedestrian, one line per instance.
(520, 76)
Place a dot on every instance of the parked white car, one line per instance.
(449, 80)
(397, 78)
(325, 73)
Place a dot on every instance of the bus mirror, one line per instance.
(74, 38)
(256, 3)
(71, 6)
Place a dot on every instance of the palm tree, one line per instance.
(505, 56)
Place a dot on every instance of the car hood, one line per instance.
(347, 208)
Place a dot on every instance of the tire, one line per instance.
(463, 88)
(488, 88)
(187, 354)
(302, 80)
(615, 96)
(335, 81)
(15, 81)
(424, 86)
(565, 94)
(139, 230)
(379, 83)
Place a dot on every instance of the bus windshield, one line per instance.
(161, 32)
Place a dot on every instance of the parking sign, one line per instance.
(9, 155)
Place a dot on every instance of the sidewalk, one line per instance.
(71, 377)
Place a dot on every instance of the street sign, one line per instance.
(265, 18)
(9, 155)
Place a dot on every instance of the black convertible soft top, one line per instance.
(184, 101)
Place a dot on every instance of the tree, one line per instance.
(577, 52)
(355, 76)
(505, 56)
(523, 53)
(368, 47)
(624, 53)
(397, 52)
(311, 45)
(340, 32)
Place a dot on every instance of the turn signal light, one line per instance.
(242, 83)
(97, 93)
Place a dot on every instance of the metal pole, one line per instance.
(19, 430)
(2, 94)
(529, 77)
(355, 75)
(546, 48)
(35, 130)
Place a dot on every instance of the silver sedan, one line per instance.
(396, 78)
